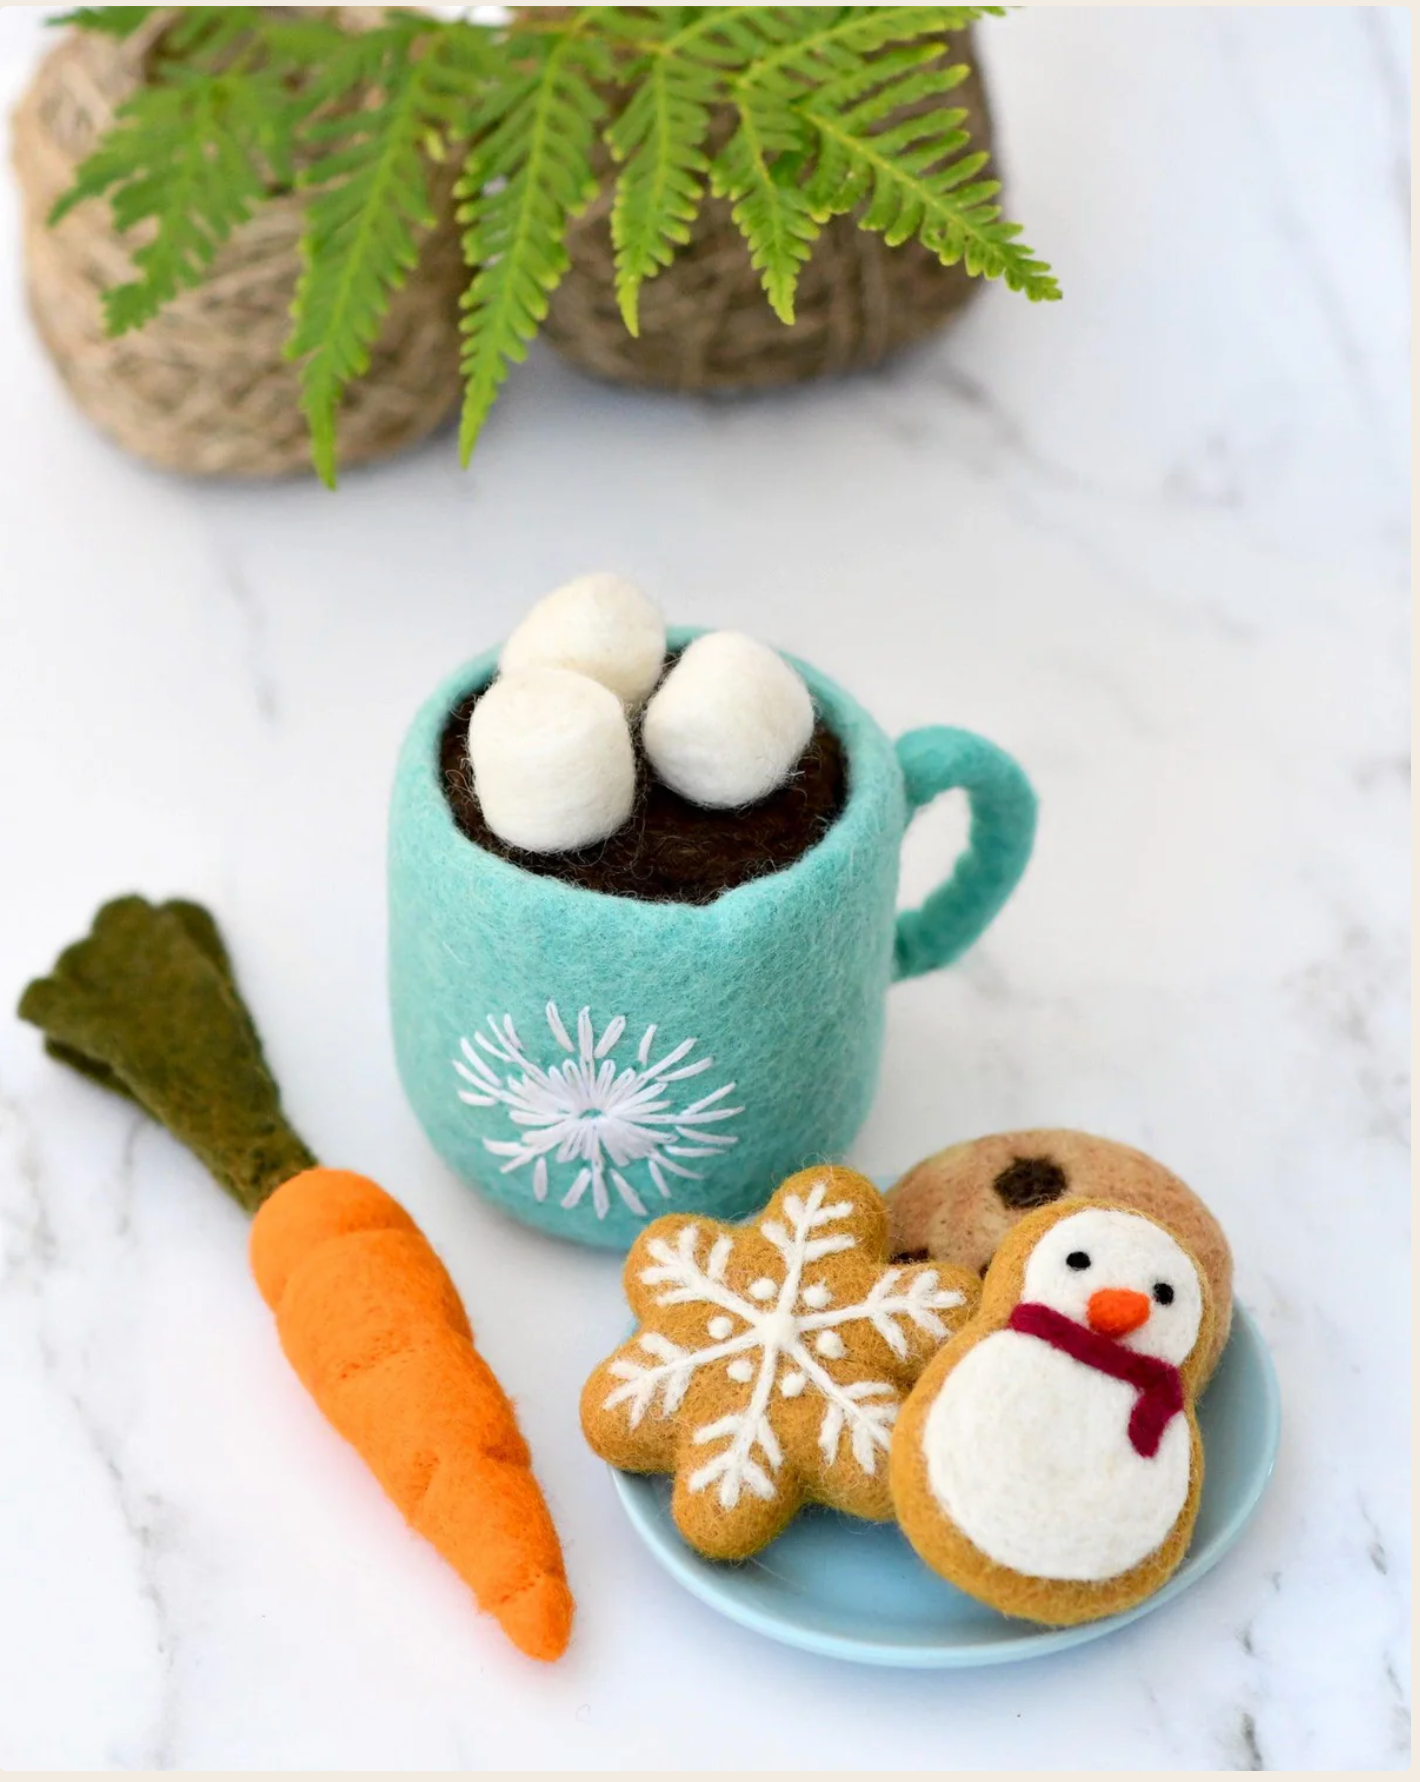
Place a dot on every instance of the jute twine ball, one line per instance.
(203, 387)
(705, 322)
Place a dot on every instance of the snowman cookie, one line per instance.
(1048, 1462)
(770, 1360)
(957, 1205)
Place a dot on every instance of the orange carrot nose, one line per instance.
(1115, 1311)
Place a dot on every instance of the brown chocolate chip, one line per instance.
(1030, 1182)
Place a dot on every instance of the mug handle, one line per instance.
(939, 759)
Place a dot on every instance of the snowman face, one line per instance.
(1121, 1276)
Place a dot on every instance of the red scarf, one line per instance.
(1158, 1383)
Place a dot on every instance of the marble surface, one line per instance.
(1154, 541)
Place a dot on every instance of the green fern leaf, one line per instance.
(368, 208)
(785, 53)
(803, 46)
(659, 137)
(238, 97)
(911, 173)
(190, 159)
(209, 35)
(304, 46)
(898, 81)
(112, 21)
(528, 174)
(823, 89)
(689, 57)
(755, 171)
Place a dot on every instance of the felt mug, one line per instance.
(589, 1061)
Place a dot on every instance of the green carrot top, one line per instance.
(147, 1005)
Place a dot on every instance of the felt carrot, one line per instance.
(147, 1005)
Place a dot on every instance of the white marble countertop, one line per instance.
(1154, 541)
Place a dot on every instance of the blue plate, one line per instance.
(856, 1590)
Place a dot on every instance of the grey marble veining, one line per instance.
(1155, 541)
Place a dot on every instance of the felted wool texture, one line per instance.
(670, 850)
(203, 932)
(551, 758)
(938, 759)
(147, 1006)
(1015, 1444)
(958, 1204)
(781, 982)
(371, 1322)
(769, 1360)
(1096, 1252)
(601, 625)
(729, 722)
(1055, 1446)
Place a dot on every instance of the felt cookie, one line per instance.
(770, 1360)
(957, 1206)
(1048, 1462)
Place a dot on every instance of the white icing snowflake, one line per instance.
(777, 1334)
(583, 1111)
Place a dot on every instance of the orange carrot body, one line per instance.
(375, 1329)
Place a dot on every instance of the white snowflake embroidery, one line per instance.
(778, 1339)
(585, 1111)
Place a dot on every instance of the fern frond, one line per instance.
(911, 172)
(304, 45)
(727, 38)
(236, 97)
(689, 55)
(191, 154)
(191, 159)
(901, 91)
(746, 35)
(757, 171)
(801, 46)
(783, 54)
(528, 174)
(659, 137)
(369, 204)
(112, 21)
(211, 34)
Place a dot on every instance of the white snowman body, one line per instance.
(1028, 1450)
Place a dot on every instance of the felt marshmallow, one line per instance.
(1048, 1461)
(601, 625)
(729, 723)
(552, 761)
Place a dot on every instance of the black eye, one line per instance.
(1077, 1259)
(1163, 1293)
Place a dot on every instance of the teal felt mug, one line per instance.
(590, 1061)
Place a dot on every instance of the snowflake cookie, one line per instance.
(770, 1360)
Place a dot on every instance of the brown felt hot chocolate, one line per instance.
(670, 850)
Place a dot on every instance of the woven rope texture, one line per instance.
(204, 388)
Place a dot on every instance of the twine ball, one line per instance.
(729, 723)
(205, 388)
(553, 767)
(600, 625)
